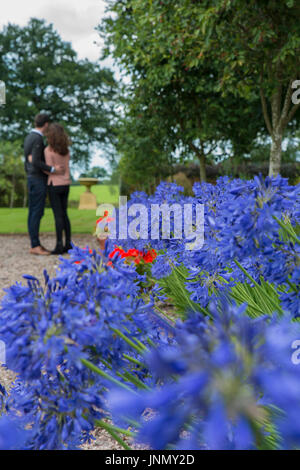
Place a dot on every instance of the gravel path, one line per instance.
(15, 261)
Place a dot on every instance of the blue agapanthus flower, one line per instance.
(239, 225)
(49, 331)
(12, 435)
(225, 381)
(219, 385)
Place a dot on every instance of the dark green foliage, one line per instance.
(210, 77)
(13, 183)
(42, 74)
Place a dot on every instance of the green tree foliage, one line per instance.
(146, 158)
(42, 73)
(258, 42)
(251, 46)
(95, 172)
(13, 189)
(181, 99)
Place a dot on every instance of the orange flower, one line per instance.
(135, 255)
(150, 256)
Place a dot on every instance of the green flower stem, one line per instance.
(105, 363)
(141, 345)
(128, 341)
(246, 273)
(186, 295)
(133, 423)
(135, 380)
(292, 286)
(287, 230)
(126, 376)
(114, 428)
(179, 272)
(164, 314)
(273, 289)
(263, 298)
(114, 435)
(182, 288)
(103, 374)
(151, 342)
(248, 300)
(244, 296)
(135, 361)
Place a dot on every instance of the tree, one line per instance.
(146, 152)
(95, 172)
(259, 42)
(181, 99)
(42, 73)
(255, 44)
(13, 188)
(196, 119)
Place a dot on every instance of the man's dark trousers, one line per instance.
(37, 183)
(37, 191)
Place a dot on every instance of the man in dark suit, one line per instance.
(37, 180)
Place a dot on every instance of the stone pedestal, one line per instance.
(88, 199)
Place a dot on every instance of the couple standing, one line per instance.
(47, 167)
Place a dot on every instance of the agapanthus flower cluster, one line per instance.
(12, 434)
(81, 314)
(254, 223)
(226, 377)
(226, 384)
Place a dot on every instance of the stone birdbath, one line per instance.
(88, 199)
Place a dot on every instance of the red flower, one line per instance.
(131, 255)
(135, 255)
(116, 250)
(150, 256)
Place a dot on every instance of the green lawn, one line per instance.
(104, 193)
(15, 221)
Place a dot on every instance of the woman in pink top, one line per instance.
(57, 154)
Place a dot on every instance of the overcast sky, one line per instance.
(75, 21)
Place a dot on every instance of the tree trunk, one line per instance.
(12, 193)
(201, 158)
(275, 155)
(200, 153)
(282, 112)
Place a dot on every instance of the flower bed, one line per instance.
(94, 347)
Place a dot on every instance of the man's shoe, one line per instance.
(39, 251)
(67, 247)
(58, 250)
